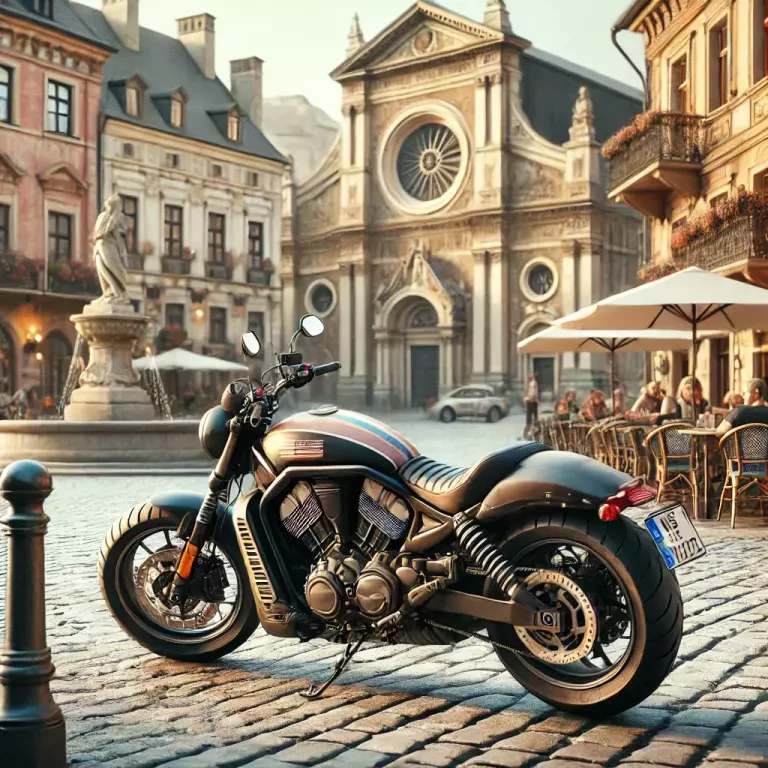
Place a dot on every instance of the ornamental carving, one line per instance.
(760, 108)
(321, 212)
(532, 181)
(443, 72)
(719, 131)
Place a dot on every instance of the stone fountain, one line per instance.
(109, 424)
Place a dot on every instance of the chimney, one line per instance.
(245, 82)
(355, 39)
(497, 16)
(123, 17)
(197, 35)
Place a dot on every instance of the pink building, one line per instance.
(50, 89)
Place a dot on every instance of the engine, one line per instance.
(348, 579)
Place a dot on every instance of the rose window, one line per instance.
(322, 299)
(541, 279)
(428, 161)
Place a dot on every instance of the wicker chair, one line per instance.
(637, 453)
(746, 466)
(596, 444)
(676, 467)
(563, 429)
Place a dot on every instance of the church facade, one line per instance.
(461, 209)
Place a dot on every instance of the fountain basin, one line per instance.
(105, 447)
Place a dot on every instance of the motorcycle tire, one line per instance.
(140, 522)
(651, 591)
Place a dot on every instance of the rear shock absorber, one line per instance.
(475, 542)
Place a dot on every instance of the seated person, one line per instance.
(594, 407)
(667, 412)
(689, 390)
(731, 400)
(756, 412)
(570, 399)
(650, 399)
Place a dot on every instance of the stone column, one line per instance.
(498, 325)
(589, 286)
(383, 389)
(345, 321)
(280, 340)
(361, 323)
(447, 375)
(568, 292)
(480, 111)
(497, 108)
(479, 317)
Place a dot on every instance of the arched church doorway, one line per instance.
(7, 363)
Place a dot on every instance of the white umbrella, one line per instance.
(180, 359)
(557, 339)
(691, 300)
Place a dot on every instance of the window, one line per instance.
(255, 242)
(764, 30)
(174, 220)
(43, 7)
(174, 315)
(131, 212)
(59, 108)
(717, 200)
(132, 101)
(177, 112)
(6, 95)
(127, 149)
(759, 40)
(233, 127)
(678, 97)
(253, 179)
(215, 237)
(216, 171)
(718, 60)
(172, 160)
(5, 227)
(256, 324)
(218, 325)
(59, 236)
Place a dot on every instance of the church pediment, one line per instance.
(62, 177)
(424, 29)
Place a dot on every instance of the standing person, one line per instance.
(531, 400)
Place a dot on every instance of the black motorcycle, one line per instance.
(339, 529)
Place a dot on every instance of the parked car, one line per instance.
(475, 400)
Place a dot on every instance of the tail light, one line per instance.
(613, 506)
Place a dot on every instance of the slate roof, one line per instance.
(164, 65)
(550, 86)
(64, 20)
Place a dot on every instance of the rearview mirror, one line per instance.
(250, 344)
(311, 325)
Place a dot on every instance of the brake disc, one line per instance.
(576, 636)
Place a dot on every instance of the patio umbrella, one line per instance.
(691, 300)
(180, 359)
(557, 339)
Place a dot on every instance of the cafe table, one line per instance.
(705, 435)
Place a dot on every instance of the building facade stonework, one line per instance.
(457, 212)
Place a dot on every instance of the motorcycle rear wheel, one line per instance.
(622, 570)
(133, 604)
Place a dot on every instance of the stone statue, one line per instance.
(583, 123)
(109, 253)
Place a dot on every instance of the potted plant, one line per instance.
(267, 265)
(147, 249)
(187, 253)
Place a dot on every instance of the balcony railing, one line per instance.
(217, 270)
(172, 265)
(672, 140)
(19, 272)
(259, 276)
(73, 288)
(742, 240)
(135, 262)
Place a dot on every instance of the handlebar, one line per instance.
(321, 370)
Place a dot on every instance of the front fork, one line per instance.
(217, 488)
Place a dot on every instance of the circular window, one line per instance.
(538, 280)
(429, 161)
(320, 298)
(424, 158)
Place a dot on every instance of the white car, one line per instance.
(472, 400)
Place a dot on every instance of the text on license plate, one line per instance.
(675, 536)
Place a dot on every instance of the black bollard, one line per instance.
(32, 731)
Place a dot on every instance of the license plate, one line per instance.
(674, 536)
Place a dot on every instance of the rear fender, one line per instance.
(552, 478)
(184, 506)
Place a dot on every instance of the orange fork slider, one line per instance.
(187, 560)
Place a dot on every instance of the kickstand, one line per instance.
(314, 691)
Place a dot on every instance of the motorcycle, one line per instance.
(329, 524)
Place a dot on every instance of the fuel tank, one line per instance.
(330, 436)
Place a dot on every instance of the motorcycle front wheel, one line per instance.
(135, 570)
(620, 602)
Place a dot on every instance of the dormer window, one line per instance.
(234, 126)
(177, 112)
(43, 7)
(132, 100)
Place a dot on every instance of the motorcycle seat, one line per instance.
(452, 489)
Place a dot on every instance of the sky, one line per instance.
(301, 41)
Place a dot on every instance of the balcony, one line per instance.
(172, 265)
(658, 154)
(259, 276)
(19, 272)
(135, 262)
(217, 270)
(740, 246)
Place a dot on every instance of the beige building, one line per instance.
(200, 183)
(462, 209)
(697, 170)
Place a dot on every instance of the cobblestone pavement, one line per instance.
(399, 706)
